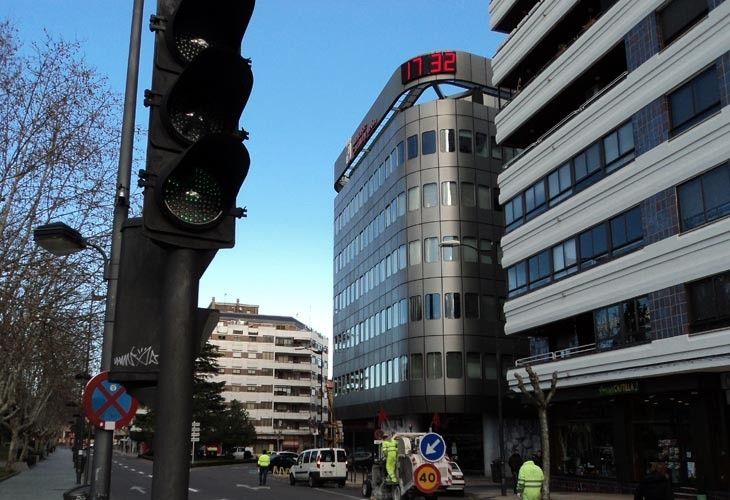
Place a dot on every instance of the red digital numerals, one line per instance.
(430, 64)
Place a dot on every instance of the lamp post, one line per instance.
(452, 243)
(319, 352)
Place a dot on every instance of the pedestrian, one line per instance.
(529, 481)
(655, 485)
(515, 462)
(263, 464)
(537, 458)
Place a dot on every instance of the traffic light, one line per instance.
(196, 160)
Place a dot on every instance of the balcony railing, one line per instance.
(547, 357)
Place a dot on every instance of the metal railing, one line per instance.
(547, 357)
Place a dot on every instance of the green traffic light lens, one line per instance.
(193, 196)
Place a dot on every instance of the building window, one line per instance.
(431, 250)
(473, 365)
(705, 198)
(694, 101)
(450, 254)
(559, 184)
(415, 310)
(414, 198)
(513, 213)
(454, 365)
(468, 199)
(678, 16)
(709, 303)
(466, 143)
(593, 246)
(471, 305)
(449, 196)
(496, 150)
(416, 372)
(623, 323)
(535, 200)
(587, 166)
(469, 249)
(484, 201)
(618, 147)
(626, 231)
(517, 279)
(433, 306)
(412, 146)
(414, 252)
(401, 153)
(428, 142)
(434, 365)
(482, 145)
(452, 305)
(539, 267)
(447, 140)
(430, 195)
(565, 260)
(486, 249)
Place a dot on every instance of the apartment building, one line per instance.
(276, 367)
(617, 237)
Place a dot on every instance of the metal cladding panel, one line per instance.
(470, 68)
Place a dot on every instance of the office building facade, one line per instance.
(272, 365)
(617, 244)
(417, 323)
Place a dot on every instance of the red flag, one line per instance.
(436, 421)
(382, 417)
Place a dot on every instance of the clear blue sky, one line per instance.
(318, 65)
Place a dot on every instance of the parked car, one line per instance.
(282, 459)
(242, 452)
(457, 480)
(320, 465)
(362, 460)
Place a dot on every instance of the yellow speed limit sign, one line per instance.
(427, 477)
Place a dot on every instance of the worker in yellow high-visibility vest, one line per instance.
(263, 463)
(390, 451)
(529, 481)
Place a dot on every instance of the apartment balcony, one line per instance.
(656, 77)
(551, 88)
(585, 365)
(506, 15)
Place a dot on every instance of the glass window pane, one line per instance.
(434, 368)
(610, 147)
(452, 307)
(626, 138)
(428, 140)
(716, 191)
(690, 204)
(469, 249)
(634, 227)
(412, 147)
(465, 141)
(414, 252)
(433, 306)
(618, 231)
(600, 240)
(449, 195)
(483, 198)
(454, 365)
(486, 250)
(496, 150)
(579, 165)
(593, 158)
(473, 365)
(706, 90)
(482, 145)
(447, 140)
(450, 254)
(681, 105)
(416, 369)
(430, 195)
(401, 153)
(558, 258)
(471, 305)
(569, 253)
(430, 250)
(468, 198)
(414, 198)
(415, 310)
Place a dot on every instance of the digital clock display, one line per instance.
(435, 63)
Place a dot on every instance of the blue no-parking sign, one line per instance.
(432, 447)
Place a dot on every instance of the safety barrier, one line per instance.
(280, 471)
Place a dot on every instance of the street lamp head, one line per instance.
(59, 239)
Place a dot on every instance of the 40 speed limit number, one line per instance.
(427, 477)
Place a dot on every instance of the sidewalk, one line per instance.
(47, 480)
(483, 488)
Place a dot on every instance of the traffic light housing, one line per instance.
(196, 160)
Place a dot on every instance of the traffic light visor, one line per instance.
(200, 190)
(198, 25)
(209, 96)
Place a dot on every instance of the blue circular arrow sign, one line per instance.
(432, 447)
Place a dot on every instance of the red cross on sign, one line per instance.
(108, 405)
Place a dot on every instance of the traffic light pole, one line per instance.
(171, 468)
(103, 439)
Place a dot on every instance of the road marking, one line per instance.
(255, 487)
(138, 489)
(338, 494)
(142, 473)
(193, 490)
(149, 475)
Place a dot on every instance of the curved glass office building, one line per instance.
(417, 322)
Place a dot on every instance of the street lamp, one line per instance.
(60, 239)
(452, 243)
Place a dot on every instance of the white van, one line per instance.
(320, 465)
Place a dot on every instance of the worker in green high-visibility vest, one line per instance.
(529, 481)
(390, 451)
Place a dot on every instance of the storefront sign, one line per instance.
(619, 388)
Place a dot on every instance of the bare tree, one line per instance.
(59, 135)
(541, 401)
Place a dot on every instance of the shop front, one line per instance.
(607, 435)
